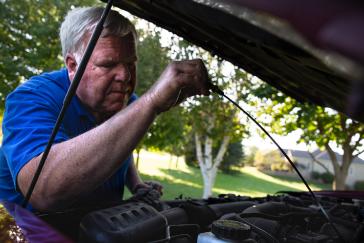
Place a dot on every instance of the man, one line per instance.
(91, 156)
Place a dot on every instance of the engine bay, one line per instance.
(284, 217)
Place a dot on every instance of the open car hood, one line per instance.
(309, 50)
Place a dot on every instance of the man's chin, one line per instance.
(112, 110)
(107, 111)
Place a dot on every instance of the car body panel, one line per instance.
(20, 225)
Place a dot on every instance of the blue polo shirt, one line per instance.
(31, 111)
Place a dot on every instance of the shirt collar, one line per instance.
(79, 107)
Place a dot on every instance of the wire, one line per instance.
(217, 90)
(67, 100)
(258, 230)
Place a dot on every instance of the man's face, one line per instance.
(110, 76)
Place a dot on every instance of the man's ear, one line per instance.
(71, 65)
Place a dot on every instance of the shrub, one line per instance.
(190, 152)
(250, 158)
(271, 160)
(233, 157)
(359, 185)
(325, 177)
(279, 167)
(315, 175)
(260, 162)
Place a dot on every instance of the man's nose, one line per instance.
(123, 73)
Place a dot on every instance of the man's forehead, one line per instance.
(114, 48)
(116, 58)
(129, 37)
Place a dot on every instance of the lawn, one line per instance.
(178, 179)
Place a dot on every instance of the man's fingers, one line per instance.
(194, 84)
(155, 185)
(189, 66)
(198, 70)
(180, 80)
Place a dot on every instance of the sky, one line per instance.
(286, 142)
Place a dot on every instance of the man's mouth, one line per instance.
(119, 96)
(125, 91)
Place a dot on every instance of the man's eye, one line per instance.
(107, 64)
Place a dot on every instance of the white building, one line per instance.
(306, 165)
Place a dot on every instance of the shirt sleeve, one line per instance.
(28, 122)
(132, 98)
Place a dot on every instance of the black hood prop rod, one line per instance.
(68, 98)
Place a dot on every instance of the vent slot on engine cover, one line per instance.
(132, 222)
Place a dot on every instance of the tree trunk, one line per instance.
(207, 187)
(177, 161)
(208, 165)
(208, 161)
(137, 159)
(170, 161)
(339, 182)
(340, 171)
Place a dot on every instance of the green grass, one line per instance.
(178, 179)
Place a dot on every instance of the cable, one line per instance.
(267, 236)
(67, 100)
(217, 90)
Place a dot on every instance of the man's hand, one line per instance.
(148, 185)
(180, 80)
(148, 192)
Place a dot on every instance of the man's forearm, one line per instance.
(77, 166)
(132, 177)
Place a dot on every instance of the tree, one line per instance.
(214, 122)
(234, 155)
(151, 60)
(29, 42)
(276, 161)
(259, 161)
(320, 126)
(250, 158)
(167, 133)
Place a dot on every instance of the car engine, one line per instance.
(284, 217)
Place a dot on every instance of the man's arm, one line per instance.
(78, 166)
(132, 177)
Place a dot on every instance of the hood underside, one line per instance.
(311, 51)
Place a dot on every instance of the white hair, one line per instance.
(79, 24)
